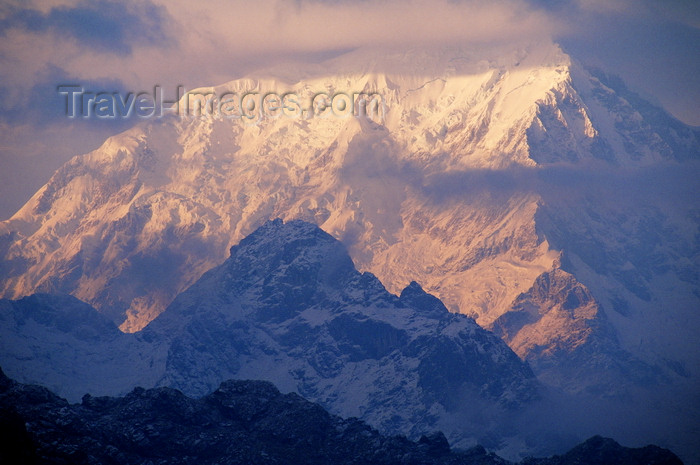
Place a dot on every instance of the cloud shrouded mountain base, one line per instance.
(289, 307)
(544, 200)
(491, 169)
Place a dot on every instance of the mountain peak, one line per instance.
(293, 257)
(414, 296)
(290, 307)
(278, 234)
(284, 242)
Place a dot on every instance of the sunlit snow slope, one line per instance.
(491, 171)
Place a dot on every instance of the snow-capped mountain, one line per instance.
(491, 170)
(570, 343)
(288, 306)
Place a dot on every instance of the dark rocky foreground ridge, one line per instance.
(242, 422)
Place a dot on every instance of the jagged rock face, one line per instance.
(555, 301)
(241, 422)
(459, 187)
(288, 306)
(559, 328)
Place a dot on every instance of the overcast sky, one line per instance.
(121, 45)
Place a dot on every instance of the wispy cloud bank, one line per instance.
(109, 25)
(203, 43)
(136, 44)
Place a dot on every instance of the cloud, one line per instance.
(133, 45)
(106, 26)
(315, 25)
(674, 185)
(147, 42)
(47, 106)
(676, 11)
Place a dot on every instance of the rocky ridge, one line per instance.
(242, 422)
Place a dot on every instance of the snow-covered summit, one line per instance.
(488, 166)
